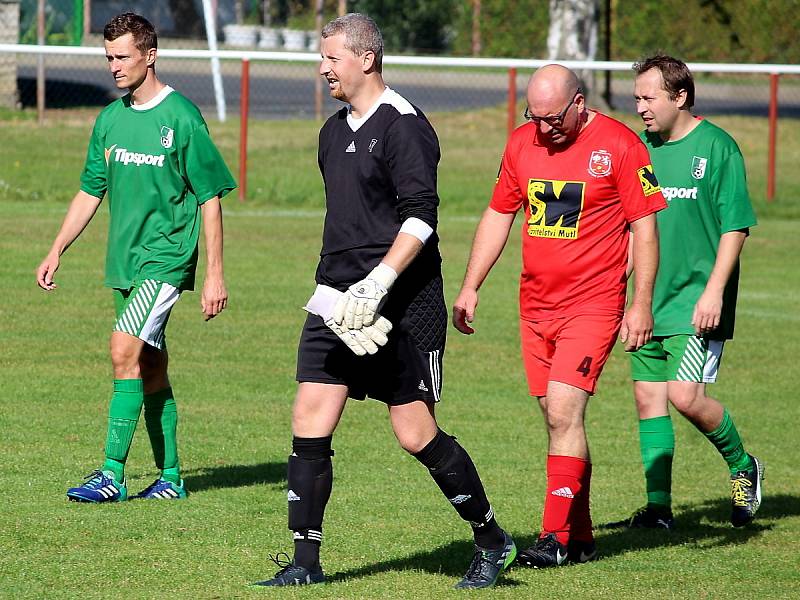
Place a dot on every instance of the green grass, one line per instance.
(389, 533)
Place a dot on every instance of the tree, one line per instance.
(573, 36)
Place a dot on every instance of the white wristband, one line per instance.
(418, 228)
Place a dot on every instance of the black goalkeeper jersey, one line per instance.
(378, 171)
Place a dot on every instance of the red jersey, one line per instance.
(579, 202)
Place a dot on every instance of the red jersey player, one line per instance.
(585, 183)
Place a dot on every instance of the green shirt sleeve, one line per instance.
(94, 179)
(206, 171)
(732, 198)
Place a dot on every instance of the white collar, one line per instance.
(154, 101)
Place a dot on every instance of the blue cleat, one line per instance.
(161, 489)
(100, 486)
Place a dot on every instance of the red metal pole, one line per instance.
(512, 100)
(244, 105)
(773, 134)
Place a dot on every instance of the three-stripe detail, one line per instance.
(435, 367)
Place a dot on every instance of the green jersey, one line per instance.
(158, 164)
(703, 179)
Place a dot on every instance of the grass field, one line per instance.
(389, 533)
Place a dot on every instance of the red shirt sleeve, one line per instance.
(639, 191)
(507, 197)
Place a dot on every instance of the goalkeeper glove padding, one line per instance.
(358, 306)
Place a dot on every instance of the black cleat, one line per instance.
(746, 493)
(581, 552)
(291, 574)
(487, 565)
(546, 552)
(651, 516)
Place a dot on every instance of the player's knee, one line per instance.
(688, 400)
(125, 360)
(560, 422)
(413, 441)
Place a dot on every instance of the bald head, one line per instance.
(552, 83)
(556, 104)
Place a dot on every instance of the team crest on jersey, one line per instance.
(600, 163)
(167, 135)
(699, 167)
(555, 208)
(648, 181)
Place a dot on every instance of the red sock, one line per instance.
(582, 519)
(565, 503)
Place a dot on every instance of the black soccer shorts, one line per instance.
(407, 368)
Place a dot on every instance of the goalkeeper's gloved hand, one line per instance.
(363, 341)
(358, 306)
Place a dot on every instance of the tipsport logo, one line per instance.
(121, 155)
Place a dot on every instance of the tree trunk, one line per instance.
(476, 27)
(573, 36)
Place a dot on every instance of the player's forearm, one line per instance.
(402, 252)
(644, 239)
(80, 212)
(490, 240)
(730, 247)
(212, 230)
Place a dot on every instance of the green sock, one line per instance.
(123, 414)
(657, 445)
(161, 418)
(726, 439)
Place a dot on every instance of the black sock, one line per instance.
(455, 474)
(310, 479)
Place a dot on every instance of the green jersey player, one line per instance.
(150, 153)
(702, 232)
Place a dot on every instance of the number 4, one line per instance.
(585, 366)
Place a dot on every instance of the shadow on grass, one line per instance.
(451, 560)
(705, 524)
(231, 476)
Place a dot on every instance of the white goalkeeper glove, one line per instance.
(366, 340)
(362, 341)
(359, 305)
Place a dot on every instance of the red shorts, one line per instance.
(569, 350)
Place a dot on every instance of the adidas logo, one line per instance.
(292, 497)
(564, 492)
(422, 387)
(351, 147)
(461, 498)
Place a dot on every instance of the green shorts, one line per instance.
(143, 310)
(682, 357)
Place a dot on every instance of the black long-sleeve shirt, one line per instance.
(378, 171)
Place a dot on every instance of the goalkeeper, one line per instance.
(377, 319)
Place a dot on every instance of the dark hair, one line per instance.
(674, 73)
(144, 34)
(361, 35)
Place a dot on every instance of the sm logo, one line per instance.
(555, 208)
